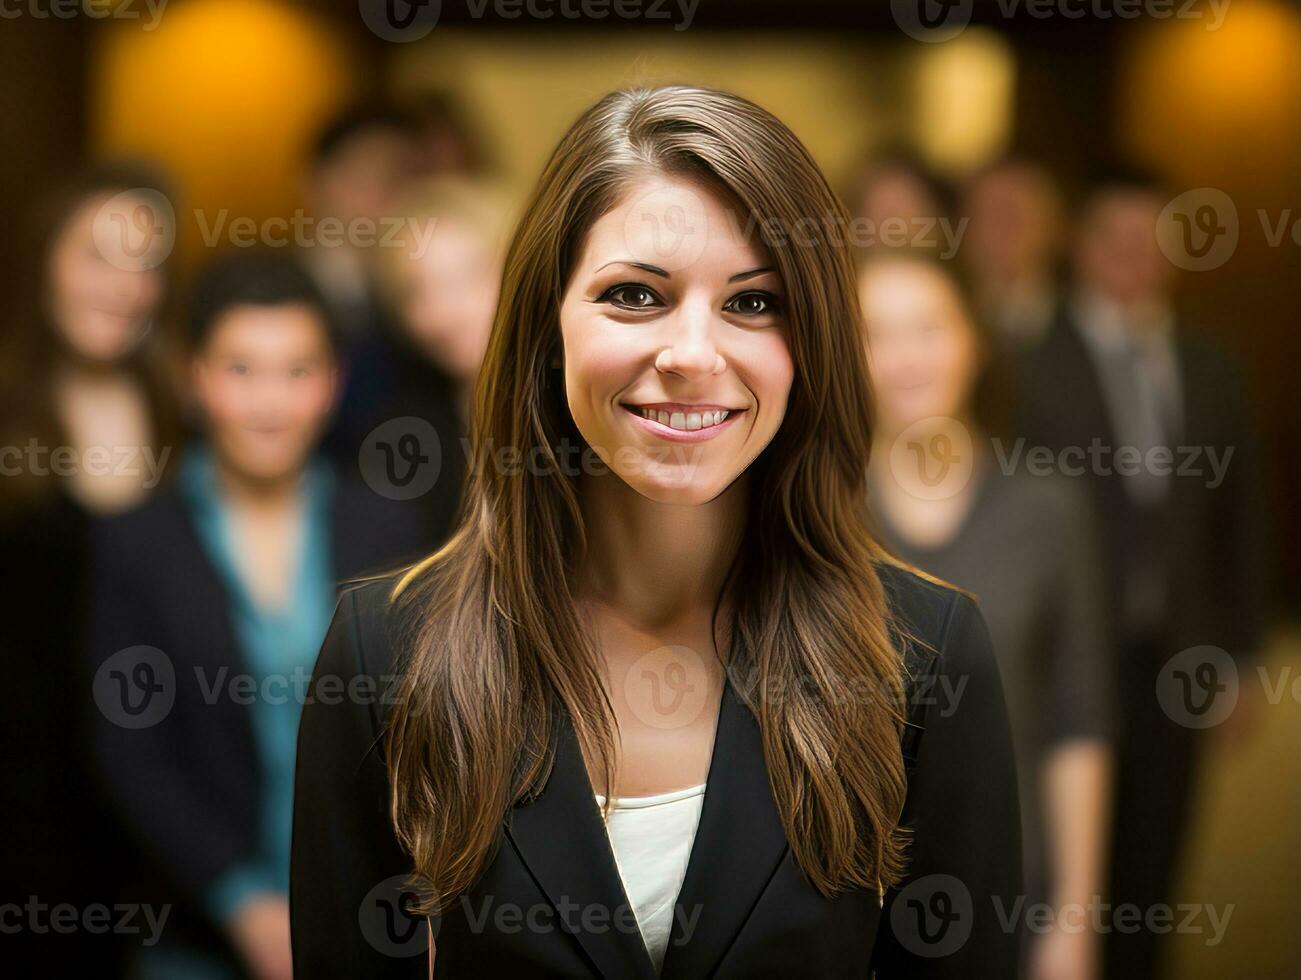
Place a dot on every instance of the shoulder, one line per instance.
(940, 629)
(360, 642)
(155, 528)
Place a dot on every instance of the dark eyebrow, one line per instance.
(750, 275)
(645, 267)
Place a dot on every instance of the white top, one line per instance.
(651, 837)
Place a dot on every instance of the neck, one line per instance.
(656, 563)
(247, 492)
(74, 370)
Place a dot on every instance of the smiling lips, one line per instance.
(680, 421)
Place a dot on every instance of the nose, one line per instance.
(690, 348)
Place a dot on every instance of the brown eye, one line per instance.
(631, 296)
(753, 303)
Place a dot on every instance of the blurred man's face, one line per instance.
(921, 344)
(1012, 227)
(363, 177)
(101, 308)
(266, 380)
(447, 294)
(1117, 254)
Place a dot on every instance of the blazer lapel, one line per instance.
(561, 839)
(738, 846)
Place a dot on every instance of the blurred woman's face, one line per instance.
(447, 295)
(266, 380)
(921, 344)
(101, 306)
(676, 364)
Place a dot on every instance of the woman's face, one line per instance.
(676, 363)
(101, 308)
(921, 344)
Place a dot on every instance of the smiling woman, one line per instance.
(703, 633)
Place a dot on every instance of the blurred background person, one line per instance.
(89, 421)
(1182, 546)
(1012, 247)
(231, 576)
(448, 140)
(361, 162)
(1023, 545)
(900, 202)
(438, 287)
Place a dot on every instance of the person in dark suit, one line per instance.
(1154, 423)
(667, 708)
(208, 606)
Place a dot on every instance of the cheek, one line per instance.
(313, 401)
(769, 372)
(222, 400)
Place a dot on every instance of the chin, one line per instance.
(674, 485)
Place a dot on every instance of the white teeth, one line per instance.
(686, 421)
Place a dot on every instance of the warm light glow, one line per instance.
(1204, 101)
(964, 95)
(226, 95)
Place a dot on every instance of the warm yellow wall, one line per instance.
(840, 95)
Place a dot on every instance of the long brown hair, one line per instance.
(494, 647)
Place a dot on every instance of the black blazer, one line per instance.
(188, 786)
(1211, 539)
(758, 916)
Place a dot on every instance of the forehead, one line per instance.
(269, 329)
(678, 223)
